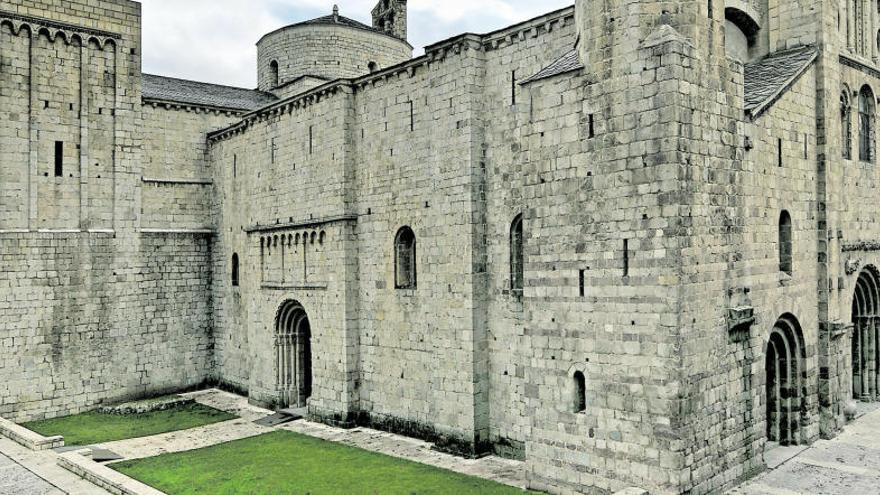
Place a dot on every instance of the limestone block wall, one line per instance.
(86, 324)
(734, 262)
(422, 350)
(510, 168)
(280, 205)
(325, 50)
(177, 175)
(792, 23)
(93, 309)
(15, 132)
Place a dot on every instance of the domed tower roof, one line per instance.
(330, 47)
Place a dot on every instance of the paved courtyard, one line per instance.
(847, 465)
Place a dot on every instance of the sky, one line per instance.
(215, 40)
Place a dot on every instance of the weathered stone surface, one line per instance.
(697, 277)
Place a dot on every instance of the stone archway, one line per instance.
(293, 357)
(784, 365)
(866, 327)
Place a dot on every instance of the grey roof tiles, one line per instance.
(768, 78)
(204, 94)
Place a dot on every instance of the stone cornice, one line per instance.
(860, 246)
(54, 29)
(191, 107)
(859, 65)
(316, 222)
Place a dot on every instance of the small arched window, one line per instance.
(235, 280)
(845, 125)
(785, 245)
(866, 125)
(273, 74)
(517, 269)
(580, 392)
(373, 67)
(405, 259)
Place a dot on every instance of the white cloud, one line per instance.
(214, 40)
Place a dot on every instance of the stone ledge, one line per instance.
(32, 440)
(114, 482)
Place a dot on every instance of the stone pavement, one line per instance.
(504, 471)
(27, 472)
(846, 465)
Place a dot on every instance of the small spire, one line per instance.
(335, 12)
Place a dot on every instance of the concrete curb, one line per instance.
(78, 463)
(32, 440)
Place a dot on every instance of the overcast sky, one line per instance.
(214, 40)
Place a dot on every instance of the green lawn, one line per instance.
(94, 427)
(286, 463)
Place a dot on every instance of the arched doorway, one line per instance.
(293, 345)
(865, 352)
(785, 360)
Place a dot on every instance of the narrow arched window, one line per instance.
(866, 125)
(235, 280)
(580, 392)
(517, 269)
(785, 246)
(845, 125)
(273, 74)
(405, 259)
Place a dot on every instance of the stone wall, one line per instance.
(86, 323)
(94, 310)
(177, 175)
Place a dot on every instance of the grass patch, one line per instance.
(94, 427)
(286, 463)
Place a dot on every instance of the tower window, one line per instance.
(59, 158)
(785, 244)
(405, 259)
(517, 268)
(273, 74)
(580, 392)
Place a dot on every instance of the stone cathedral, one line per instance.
(631, 242)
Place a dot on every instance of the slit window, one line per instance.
(582, 283)
(517, 259)
(405, 259)
(779, 152)
(626, 257)
(59, 158)
(235, 280)
(580, 392)
(785, 243)
(513, 87)
(273, 74)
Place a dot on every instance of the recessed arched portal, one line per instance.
(785, 361)
(293, 345)
(866, 333)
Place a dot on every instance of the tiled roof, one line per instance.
(198, 93)
(566, 63)
(767, 79)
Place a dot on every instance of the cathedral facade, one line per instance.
(631, 242)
